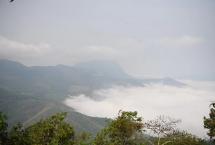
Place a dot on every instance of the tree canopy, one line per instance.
(209, 123)
(126, 129)
(121, 131)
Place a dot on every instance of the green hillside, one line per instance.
(30, 109)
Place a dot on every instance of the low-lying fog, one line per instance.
(189, 103)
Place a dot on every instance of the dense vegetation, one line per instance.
(209, 123)
(126, 129)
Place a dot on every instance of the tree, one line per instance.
(161, 126)
(3, 129)
(121, 131)
(83, 138)
(18, 136)
(182, 138)
(52, 131)
(209, 123)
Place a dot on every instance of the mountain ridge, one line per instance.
(27, 92)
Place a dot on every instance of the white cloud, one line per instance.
(187, 103)
(11, 49)
(185, 41)
(91, 52)
(79, 49)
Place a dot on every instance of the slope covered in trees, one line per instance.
(126, 129)
(29, 109)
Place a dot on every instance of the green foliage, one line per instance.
(3, 129)
(121, 131)
(83, 138)
(126, 129)
(18, 136)
(30, 109)
(182, 138)
(52, 131)
(209, 123)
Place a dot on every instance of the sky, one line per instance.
(147, 38)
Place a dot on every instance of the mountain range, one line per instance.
(29, 93)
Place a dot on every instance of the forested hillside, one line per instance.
(126, 129)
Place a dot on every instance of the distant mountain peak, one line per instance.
(102, 67)
(10, 62)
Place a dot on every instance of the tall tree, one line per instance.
(52, 131)
(209, 123)
(182, 138)
(3, 129)
(121, 131)
(162, 126)
(18, 136)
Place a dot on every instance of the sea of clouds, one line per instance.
(189, 103)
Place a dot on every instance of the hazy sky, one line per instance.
(153, 38)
